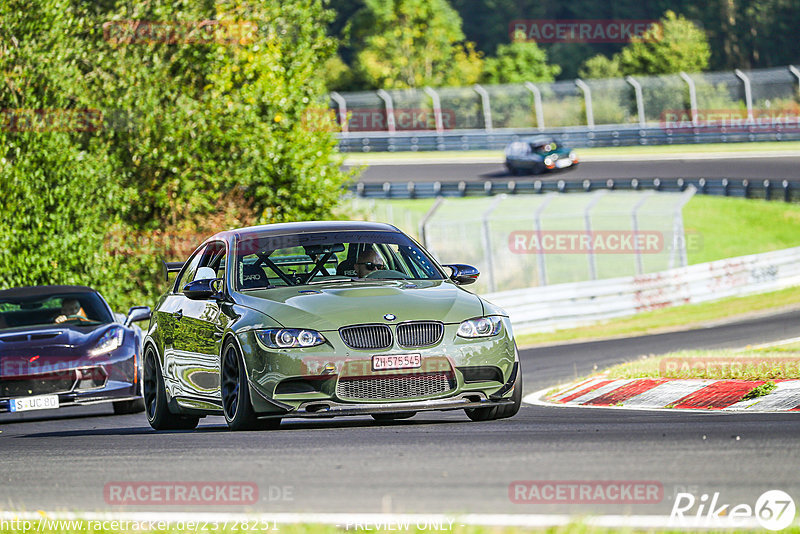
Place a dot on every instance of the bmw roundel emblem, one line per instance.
(390, 317)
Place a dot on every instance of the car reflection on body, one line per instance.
(535, 155)
(63, 346)
(275, 321)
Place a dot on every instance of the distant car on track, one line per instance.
(535, 155)
(63, 346)
(321, 319)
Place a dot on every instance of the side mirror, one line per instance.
(138, 313)
(201, 289)
(463, 274)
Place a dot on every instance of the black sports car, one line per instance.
(63, 346)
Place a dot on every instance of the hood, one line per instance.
(42, 349)
(330, 306)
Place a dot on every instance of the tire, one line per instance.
(155, 399)
(128, 407)
(235, 393)
(393, 416)
(499, 412)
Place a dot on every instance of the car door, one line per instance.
(202, 325)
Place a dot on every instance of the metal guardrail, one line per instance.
(784, 190)
(569, 305)
(574, 137)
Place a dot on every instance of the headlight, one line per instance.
(548, 161)
(287, 338)
(573, 157)
(109, 341)
(480, 327)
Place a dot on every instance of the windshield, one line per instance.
(82, 309)
(274, 261)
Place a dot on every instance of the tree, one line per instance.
(600, 66)
(519, 61)
(412, 43)
(672, 46)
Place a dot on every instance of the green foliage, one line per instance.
(412, 43)
(672, 46)
(518, 62)
(600, 66)
(195, 137)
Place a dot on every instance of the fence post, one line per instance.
(748, 94)
(537, 103)
(437, 108)
(637, 88)
(537, 221)
(635, 222)
(389, 105)
(692, 96)
(425, 218)
(486, 104)
(587, 95)
(587, 218)
(342, 104)
(794, 70)
(677, 228)
(487, 241)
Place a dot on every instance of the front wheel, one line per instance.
(155, 399)
(236, 405)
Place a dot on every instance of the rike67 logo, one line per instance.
(773, 510)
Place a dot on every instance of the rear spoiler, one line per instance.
(171, 267)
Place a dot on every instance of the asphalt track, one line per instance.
(777, 167)
(439, 462)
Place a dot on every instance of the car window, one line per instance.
(274, 261)
(188, 272)
(82, 309)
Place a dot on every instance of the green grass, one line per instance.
(638, 150)
(675, 318)
(729, 227)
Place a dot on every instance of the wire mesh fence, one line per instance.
(647, 100)
(521, 241)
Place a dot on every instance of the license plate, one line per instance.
(561, 163)
(396, 361)
(42, 402)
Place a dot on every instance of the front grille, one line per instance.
(367, 337)
(396, 387)
(44, 384)
(419, 334)
(29, 337)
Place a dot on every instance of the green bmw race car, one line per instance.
(322, 319)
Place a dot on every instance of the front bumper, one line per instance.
(321, 409)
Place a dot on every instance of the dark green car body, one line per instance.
(536, 155)
(194, 337)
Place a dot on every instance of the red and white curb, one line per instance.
(672, 393)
